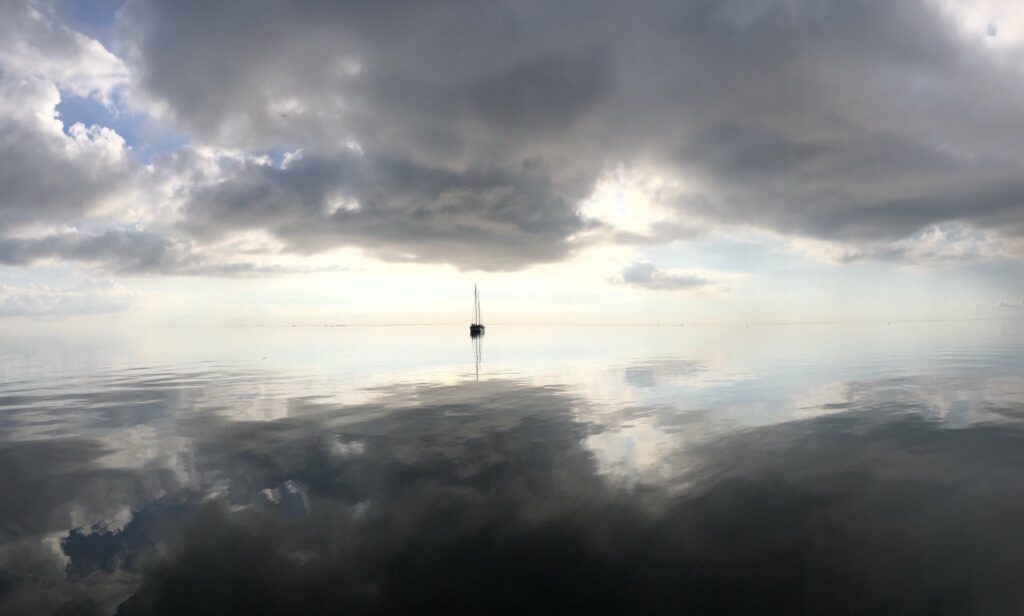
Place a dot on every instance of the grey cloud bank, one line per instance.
(395, 209)
(136, 252)
(469, 134)
(648, 276)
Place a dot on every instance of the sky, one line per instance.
(689, 161)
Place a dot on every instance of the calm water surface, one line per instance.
(841, 469)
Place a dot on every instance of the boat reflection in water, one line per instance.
(478, 353)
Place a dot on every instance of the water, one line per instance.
(840, 469)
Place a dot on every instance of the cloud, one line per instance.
(50, 172)
(34, 44)
(859, 124)
(491, 483)
(478, 218)
(939, 245)
(90, 297)
(125, 250)
(137, 252)
(796, 125)
(646, 275)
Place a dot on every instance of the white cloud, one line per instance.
(34, 44)
(937, 246)
(48, 174)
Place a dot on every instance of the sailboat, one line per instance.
(476, 328)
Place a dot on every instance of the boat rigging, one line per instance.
(476, 327)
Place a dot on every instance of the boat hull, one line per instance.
(476, 330)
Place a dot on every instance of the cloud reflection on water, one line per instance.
(147, 495)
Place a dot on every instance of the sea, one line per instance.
(853, 468)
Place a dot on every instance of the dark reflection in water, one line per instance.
(457, 510)
(492, 497)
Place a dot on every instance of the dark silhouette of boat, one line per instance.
(476, 328)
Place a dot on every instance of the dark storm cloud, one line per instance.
(838, 120)
(368, 70)
(546, 93)
(396, 209)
